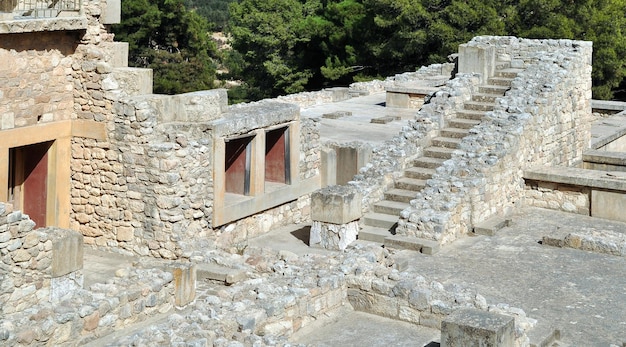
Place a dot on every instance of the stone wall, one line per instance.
(560, 197)
(544, 119)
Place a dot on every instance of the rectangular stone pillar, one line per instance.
(185, 283)
(67, 262)
(335, 211)
(482, 60)
(329, 167)
(471, 327)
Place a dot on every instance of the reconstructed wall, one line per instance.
(544, 119)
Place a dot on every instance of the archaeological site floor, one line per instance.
(583, 294)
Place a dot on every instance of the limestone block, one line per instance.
(470, 327)
(185, 283)
(112, 13)
(336, 205)
(67, 251)
(480, 60)
(333, 236)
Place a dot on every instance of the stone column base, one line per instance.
(333, 236)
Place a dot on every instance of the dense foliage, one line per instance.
(174, 42)
(286, 46)
(215, 11)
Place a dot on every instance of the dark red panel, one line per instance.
(275, 156)
(236, 165)
(35, 181)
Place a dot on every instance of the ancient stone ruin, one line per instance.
(130, 218)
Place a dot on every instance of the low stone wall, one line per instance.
(544, 119)
(42, 300)
(374, 286)
(85, 315)
(555, 196)
(286, 292)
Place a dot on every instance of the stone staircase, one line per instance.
(382, 220)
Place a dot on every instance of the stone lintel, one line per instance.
(67, 251)
(471, 327)
(336, 205)
(241, 119)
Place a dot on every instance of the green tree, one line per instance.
(164, 36)
(600, 21)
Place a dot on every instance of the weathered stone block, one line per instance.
(469, 327)
(333, 236)
(67, 251)
(336, 204)
(185, 283)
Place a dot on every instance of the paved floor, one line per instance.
(99, 266)
(358, 126)
(582, 294)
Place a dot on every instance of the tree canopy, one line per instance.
(286, 46)
(174, 42)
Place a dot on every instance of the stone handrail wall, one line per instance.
(544, 119)
(389, 160)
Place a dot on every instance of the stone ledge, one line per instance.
(490, 226)
(577, 177)
(219, 273)
(412, 243)
(604, 157)
(44, 24)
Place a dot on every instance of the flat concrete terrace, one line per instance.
(358, 125)
(583, 294)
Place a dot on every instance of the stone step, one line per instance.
(400, 195)
(508, 72)
(374, 234)
(454, 133)
(493, 89)
(419, 173)
(390, 207)
(448, 142)
(408, 183)
(380, 220)
(478, 106)
(430, 163)
(501, 65)
(462, 123)
(412, 243)
(439, 152)
(485, 97)
(500, 81)
(470, 114)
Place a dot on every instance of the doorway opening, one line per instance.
(28, 180)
